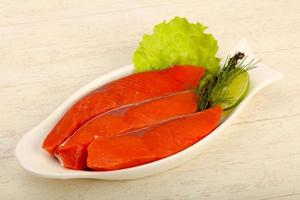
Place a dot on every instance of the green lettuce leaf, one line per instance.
(177, 42)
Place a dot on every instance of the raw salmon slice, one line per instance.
(181, 133)
(131, 89)
(118, 153)
(72, 154)
(153, 143)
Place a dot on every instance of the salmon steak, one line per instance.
(152, 143)
(73, 152)
(128, 90)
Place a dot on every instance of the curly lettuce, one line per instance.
(177, 42)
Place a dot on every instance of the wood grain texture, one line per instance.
(49, 49)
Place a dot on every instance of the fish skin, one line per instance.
(131, 89)
(154, 143)
(72, 154)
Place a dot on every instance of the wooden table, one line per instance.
(49, 49)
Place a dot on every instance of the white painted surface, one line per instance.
(49, 49)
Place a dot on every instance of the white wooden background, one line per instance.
(50, 48)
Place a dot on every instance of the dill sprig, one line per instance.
(212, 87)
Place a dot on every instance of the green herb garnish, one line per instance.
(212, 88)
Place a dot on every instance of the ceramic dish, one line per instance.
(35, 160)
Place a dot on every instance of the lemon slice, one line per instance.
(236, 91)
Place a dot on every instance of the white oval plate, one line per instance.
(35, 160)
